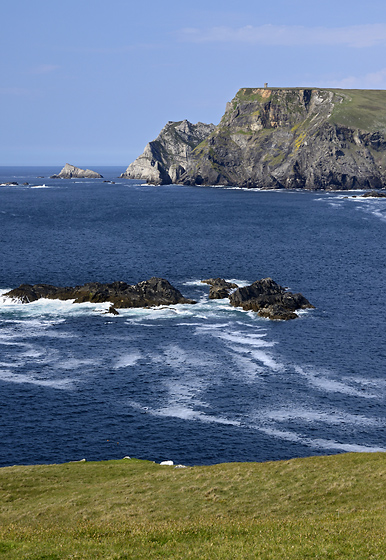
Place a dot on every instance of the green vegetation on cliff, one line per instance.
(308, 138)
(319, 507)
(361, 108)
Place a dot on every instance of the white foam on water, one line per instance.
(186, 413)
(333, 417)
(267, 360)
(178, 358)
(321, 380)
(250, 340)
(50, 307)
(74, 363)
(127, 360)
(248, 367)
(320, 443)
(32, 352)
(348, 447)
(11, 377)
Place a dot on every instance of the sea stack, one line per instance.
(71, 172)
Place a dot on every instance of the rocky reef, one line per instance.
(71, 172)
(149, 293)
(274, 138)
(166, 158)
(265, 297)
(374, 194)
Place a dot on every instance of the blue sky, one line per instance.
(90, 82)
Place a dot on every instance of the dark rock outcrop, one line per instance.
(269, 299)
(148, 293)
(219, 288)
(305, 138)
(265, 297)
(71, 172)
(166, 158)
(373, 194)
(9, 184)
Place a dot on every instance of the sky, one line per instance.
(90, 82)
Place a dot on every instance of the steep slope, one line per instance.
(278, 138)
(296, 138)
(166, 158)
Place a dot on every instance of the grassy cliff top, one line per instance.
(319, 507)
(355, 108)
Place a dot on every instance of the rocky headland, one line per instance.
(71, 172)
(276, 138)
(265, 296)
(149, 293)
(166, 159)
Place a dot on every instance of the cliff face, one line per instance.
(280, 138)
(166, 158)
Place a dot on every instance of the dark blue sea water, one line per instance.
(196, 384)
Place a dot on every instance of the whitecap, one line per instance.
(332, 417)
(11, 377)
(321, 443)
(127, 360)
(321, 380)
(186, 413)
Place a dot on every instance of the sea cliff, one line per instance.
(268, 138)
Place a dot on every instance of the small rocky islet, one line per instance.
(71, 172)
(266, 297)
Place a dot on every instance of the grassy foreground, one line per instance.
(319, 507)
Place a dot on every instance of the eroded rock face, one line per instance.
(269, 299)
(306, 138)
(153, 292)
(166, 158)
(265, 297)
(219, 288)
(70, 171)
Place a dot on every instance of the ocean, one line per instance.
(196, 384)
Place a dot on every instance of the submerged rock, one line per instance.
(70, 171)
(149, 293)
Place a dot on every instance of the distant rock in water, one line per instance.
(166, 158)
(70, 172)
(9, 184)
(276, 138)
(264, 296)
(148, 293)
(374, 194)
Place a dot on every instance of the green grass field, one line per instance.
(320, 507)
